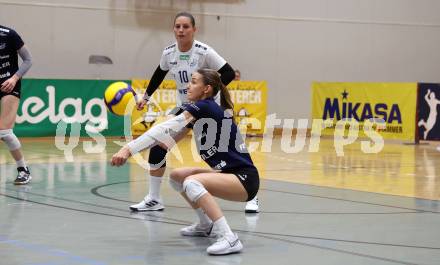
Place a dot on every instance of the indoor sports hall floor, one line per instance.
(316, 208)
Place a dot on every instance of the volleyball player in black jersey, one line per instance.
(12, 46)
(232, 174)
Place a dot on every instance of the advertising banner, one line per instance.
(46, 102)
(249, 98)
(394, 103)
(428, 108)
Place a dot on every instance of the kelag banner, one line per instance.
(249, 97)
(46, 102)
(428, 108)
(395, 103)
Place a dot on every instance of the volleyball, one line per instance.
(117, 96)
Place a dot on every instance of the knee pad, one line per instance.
(10, 139)
(194, 189)
(176, 185)
(157, 157)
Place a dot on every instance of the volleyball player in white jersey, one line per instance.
(182, 58)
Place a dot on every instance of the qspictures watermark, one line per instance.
(216, 137)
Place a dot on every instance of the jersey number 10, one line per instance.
(183, 76)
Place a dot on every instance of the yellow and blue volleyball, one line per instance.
(117, 96)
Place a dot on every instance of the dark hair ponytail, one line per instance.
(188, 15)
(212, 78)
(225, 98)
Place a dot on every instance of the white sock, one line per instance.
(154, 189)
(204, 219)
(222, 227)
(21, 163)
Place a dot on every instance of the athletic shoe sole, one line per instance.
(224, 254)
(23, 183)
(233, 250)
(146, 210)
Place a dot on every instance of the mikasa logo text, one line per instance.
(34, 110)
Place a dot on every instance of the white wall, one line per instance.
(289, 43)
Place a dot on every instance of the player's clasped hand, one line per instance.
(8, 85)
(141, 104)
(120, 157)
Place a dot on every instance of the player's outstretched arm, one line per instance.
(167, 133)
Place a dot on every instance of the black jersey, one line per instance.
(10, 43)
(218, 140)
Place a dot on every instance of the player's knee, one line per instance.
(194, 189)
(175, 175)
(179, 174)
(177, 186)
(157, 157)
(10, 139)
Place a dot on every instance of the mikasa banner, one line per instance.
(46, 102)
(394, 103)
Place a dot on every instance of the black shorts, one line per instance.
(249, 178)
(15, 92)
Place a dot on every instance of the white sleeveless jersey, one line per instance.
(183, 64)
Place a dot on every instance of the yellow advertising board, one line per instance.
(249, 97)
(250, 105)
(162, 101)
(395, 103)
